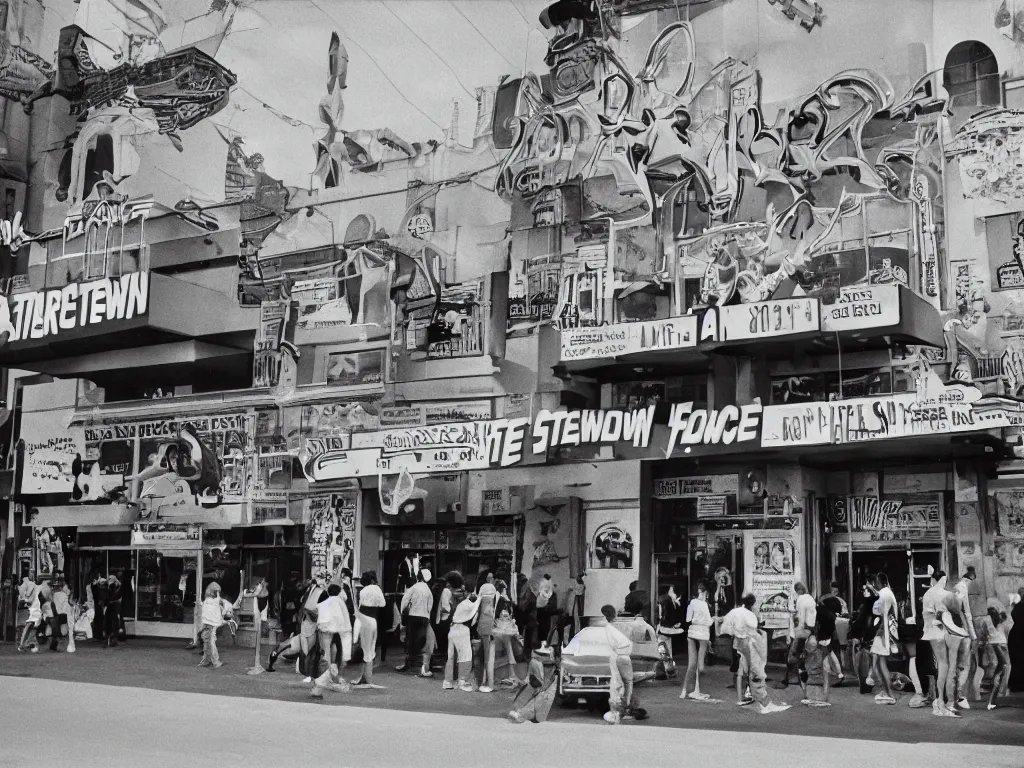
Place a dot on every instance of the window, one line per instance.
(971, 75)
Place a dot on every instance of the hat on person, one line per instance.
(465, 611)
(425, 573)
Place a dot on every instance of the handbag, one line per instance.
(505, 626)
(518, 649)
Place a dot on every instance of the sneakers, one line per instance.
(515, 717)
(990, 707)
(401, 667)
(746, 702)
(485, 689)
(951, 712)
(448, 685)
(509, 682)
(307, 679)
(465, 687)
(34, 649)
(218, 664)
(205, 664)
(963, 704)
(869, 681)
(317, 692)
(771, 708)
(425, 673)
(883, 699)
(612, 717)
(699, 696)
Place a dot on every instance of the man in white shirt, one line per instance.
(803, 626)
(27, 590)
(752, 645)
(933, 634)
(371, 606)
(307, 629)
(334, 630)
(966, 671)
(417, 602)
(622, 697)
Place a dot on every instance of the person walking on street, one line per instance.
(966, 673)
(670, 624)
(752, 644)
(30, 635)
(993, 636)
(308, 644)
(803, 626)
(460, 645)
(99, 601)
(934, 635)
(885, 641)
(501, 636)
(488, 595)
(416, 605)
(112, 614)
(334, 632)
(624, 704)
(698, 618)
(213, 610)
(369, 611)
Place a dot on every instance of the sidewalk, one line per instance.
(165, 665)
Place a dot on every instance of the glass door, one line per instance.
(168, 592)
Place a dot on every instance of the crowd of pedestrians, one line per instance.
(484, 637)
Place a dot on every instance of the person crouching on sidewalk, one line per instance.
(622, 699)
(214, 608)
(334, 630)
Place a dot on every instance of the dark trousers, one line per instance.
(441, 635)
(98, 622)
(415, 637)
(793, 663)
(112, 622)
(55, 624)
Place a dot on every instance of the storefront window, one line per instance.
(166, 585)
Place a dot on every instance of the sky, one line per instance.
(408, 61)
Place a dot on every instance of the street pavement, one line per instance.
(86, 725)
(166, 666)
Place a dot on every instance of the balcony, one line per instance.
(861, 318)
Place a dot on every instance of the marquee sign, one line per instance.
(628, 338)
(65, 312)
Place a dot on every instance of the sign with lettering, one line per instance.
(869, 513)
(766, 319)
(701, 485)
(953, 409)
(859, 307)
(67, 312)
(425, 415)
(628, 338)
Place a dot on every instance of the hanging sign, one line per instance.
(692, 487)
(628, 338)
(766, 319)
(860, 307)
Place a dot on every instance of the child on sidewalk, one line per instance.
(814, 674)
(213, 608)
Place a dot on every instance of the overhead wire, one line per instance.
(484, 37)
(368, 55)
(429, 47)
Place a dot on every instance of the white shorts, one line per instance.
(879, 647)
(459, 643)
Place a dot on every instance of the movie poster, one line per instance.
(772, 568)
(612, 556)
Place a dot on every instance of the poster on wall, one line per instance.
(343, 544)
(1010, 513)
(51, 452)
(612, 556)
(547, 539)
(772, 568)
(318, 515)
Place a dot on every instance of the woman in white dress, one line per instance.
(698, 616)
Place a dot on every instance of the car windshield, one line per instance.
(589, 641)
